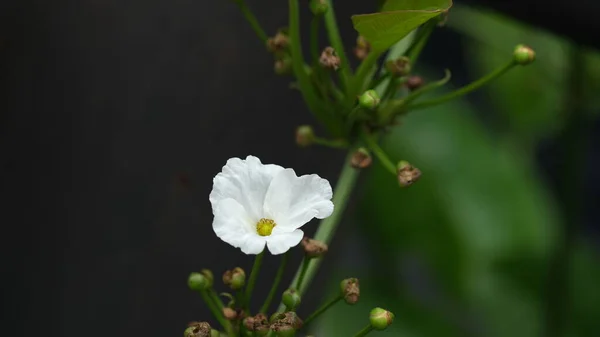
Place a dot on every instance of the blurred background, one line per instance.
(115, 116)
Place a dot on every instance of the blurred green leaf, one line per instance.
(396, 20)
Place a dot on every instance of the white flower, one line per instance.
(256, 205)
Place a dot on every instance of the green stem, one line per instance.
(380, 154)
(336, 42)
(321, 310)
(253, 277)
(364, 331)
(218, 313)
(314, 40)
(252, 20)
(421, 40)
(304, 267)
(275, 285)
(343, 189)
(335, 143)
(216, 299)
(363, 73)
(466, 89)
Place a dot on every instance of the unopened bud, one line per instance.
(414, 82)
(361, 158)
(329, 59)
(257, 324)
(369, 99)
(198, 329)
(291, 299)
(350, 290)
(209, 276)
(380, 318)
(305, 136)
(229, 314)
(235, 278)
(523, 55)
(283, 65)
(407, 174)
(319, 7)
(198, 282)
(279, 42)
(287, 319)
(400, 67)
(362, 49)
(313, 248)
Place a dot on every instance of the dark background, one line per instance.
(115, 114)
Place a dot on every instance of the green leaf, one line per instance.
(396, 20)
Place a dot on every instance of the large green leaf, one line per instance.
(396, 20)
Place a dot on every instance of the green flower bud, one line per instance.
(400, 67)
(291, 299)
(361, 159)
(350, 290)
(198, 329)
(209, 276)
(235, 278)
(305, 136)
(319, 7)
(407, 174)
(369, 99)
(198, 282)
(523, 55)
(380, 318)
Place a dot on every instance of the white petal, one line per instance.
(293, 201)
(233, 225)
(282, 242)
(245, 181)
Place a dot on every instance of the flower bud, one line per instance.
(283, 330)
(279, 42)
(523, 55)
(380, 318)
(369, 99)
(400, 67)
(305, 135)
(289, 319)
(235, 278)
(414, 82)
(313, 248)
(291, 299)
(361, 159)
(362, 49)
(283, 65)
(229, 314)
(257, 324)
(329, 59)
(319, 7)
(198, 329)
(407, 174)
(350, 290)
(198, 282)
(209, 276)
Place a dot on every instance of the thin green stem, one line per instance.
(464, 90)
(275, 285)
(253, 276)
(363, 73)
(328, 226)
(421, 40)
(252, 20)
(314, 40)
(216, 299)
(336, 42)
(333, 143)
(379, 153)
(365, 331)
(321, 310)
(218, 313)
(303, 269)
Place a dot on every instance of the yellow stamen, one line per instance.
(264, 227)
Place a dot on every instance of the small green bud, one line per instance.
(369, 99)
(319, 7)
(407, 174)
(291, 299)
(305, 136)
(198, 329)
(209, 276)
(350, 290)
(235, 278)
(380, 318)
(523, 55)
(400, 67)
(198, 282)
(361, 158)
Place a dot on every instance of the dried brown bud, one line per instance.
(400, 67)
(362, 49)
(350, 290)
(198, 329)
(283, 65)
(258, 323)
(235, 278)
(361, 159)
(278, 43)
(329, 59)
(407, 174)
(313, 248)
(229, 314)
(289, 319)
(414, 82)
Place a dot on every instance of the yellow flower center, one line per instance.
(264, 227)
